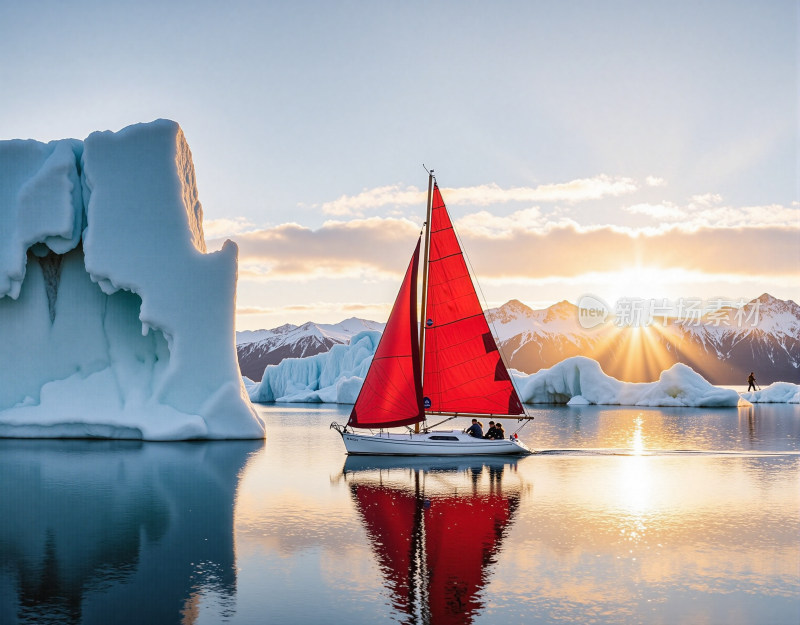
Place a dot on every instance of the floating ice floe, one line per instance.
(775, 393)
(114, 321)
(580, 380)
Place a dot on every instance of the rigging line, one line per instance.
(495, 333)
(441, 258)
(449, 323)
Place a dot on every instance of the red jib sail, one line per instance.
(463, 368)
(391, 394)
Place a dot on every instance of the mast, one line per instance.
(422, 316)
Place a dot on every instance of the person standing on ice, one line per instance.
(751, 382)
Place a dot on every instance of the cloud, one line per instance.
(394, 195)
(254, 310)
(574, 191)
(707, 199)
(579, 190)
(665, 211)
(361, 247)
(377, 248)
(707, 211)
(655, 181)
(569, 251)
(220, 228)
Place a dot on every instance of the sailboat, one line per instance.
(450, 368)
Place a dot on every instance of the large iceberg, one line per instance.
(114, 321)
(336, 377)
(580, 380)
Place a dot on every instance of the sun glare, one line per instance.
(641, 281)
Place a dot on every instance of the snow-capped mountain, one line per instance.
(258, 348)
(723, 346)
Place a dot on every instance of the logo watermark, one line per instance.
(636, 312)
(592, 311)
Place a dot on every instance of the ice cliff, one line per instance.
(333, 377)
(114, 321)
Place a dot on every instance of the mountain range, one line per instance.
(723, 345)
(258, 348)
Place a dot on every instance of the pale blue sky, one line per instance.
(683, 114)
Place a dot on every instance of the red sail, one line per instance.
(463, 368)
(392, 393)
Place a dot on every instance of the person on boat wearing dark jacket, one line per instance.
(499, 432)
(475, 429)
(490, 431)
(751, 382)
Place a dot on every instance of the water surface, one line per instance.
(624, 515)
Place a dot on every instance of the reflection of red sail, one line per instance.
(463, 369)
(389, 519)
(434, 552)
(461, 539)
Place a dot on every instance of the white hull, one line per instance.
(436, 443)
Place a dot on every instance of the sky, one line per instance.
(623, 149)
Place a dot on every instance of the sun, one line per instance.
(642, 282)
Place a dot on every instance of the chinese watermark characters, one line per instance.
(636, 312)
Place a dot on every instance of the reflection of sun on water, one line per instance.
(637, 441)
(635, 485)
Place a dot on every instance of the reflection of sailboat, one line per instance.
(435, 531)
(461, 374)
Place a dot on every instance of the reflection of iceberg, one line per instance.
(116, 532)
(436, 529)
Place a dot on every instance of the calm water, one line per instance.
(625, 516)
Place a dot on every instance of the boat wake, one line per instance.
(665, 452)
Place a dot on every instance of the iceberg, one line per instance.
(775, 393)
(332, 377)
(581, 381)
(114, 320)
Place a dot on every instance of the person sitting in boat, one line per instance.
(490, 431)
(499, 432)
(476, 429)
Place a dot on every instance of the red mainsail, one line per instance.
(463, 368)
(391, 394)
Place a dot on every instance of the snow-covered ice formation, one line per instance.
(775, 393)
(333, 377)
(580, 381)
(114, 321)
